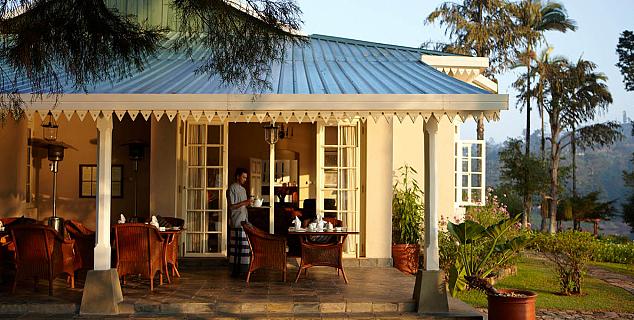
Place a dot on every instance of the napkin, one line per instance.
(154, 222)
(121, 219)
(1, 226)
(298, 223)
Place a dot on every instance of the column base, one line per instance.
(430, 293)
(102, 293)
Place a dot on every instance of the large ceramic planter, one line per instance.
(405, 257)
(512, 308)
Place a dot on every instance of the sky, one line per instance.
(401, 22)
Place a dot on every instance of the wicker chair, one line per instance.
(327, 253)
(140, 250)
(84, 243)
(42, 253)
(267, 250)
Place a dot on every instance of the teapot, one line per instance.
(257, 202)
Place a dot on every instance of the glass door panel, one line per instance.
(205, 187)
(338, 181)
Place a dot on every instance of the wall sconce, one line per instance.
(49, 128)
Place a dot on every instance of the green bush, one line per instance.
(609, 251)
(570, 251)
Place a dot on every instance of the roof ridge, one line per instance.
(378, 44)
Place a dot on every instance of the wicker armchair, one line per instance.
(84, 243)
(327, 252)
(140, 250)
(267, 250)
(42, 253)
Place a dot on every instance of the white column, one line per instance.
(271, 188)
(431, 195)
(104, 168)
(378, 184)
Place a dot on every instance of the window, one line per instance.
(88, 181)
(470, 175)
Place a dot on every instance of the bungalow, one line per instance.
(345, 113)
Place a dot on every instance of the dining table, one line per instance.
(321, 248)
(170, 238)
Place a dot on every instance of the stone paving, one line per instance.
(371, 293)
(616, 279)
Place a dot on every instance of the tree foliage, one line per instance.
(571, 94)
(522, 172)
(50, 44)
(625, 50)
(478, 28)
(628, 205)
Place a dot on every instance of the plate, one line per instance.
(296, 230)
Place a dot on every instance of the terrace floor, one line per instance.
(372, 292)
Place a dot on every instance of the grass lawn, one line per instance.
(626, 269)
(539, 276)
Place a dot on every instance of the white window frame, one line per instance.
(459, 187)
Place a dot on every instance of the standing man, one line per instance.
(239, 253)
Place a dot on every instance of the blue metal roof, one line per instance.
(325, 65)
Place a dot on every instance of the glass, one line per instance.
(348, 157)
(196, 156)
(465, 180)
(475, 165)
(475, 195)
(194, 221)
(213, 199)
(465, 194)
(214, 135)
(465, 165)
(346, 201)
(213, 221)
(476, 150)
(330, 178)
(194, 243)
(476, 180)
(85, 189)
(465, 151)
(195, 134)
(195, 177)
(330, 133)
(116, 189)
(214, 178)
(86, 173)
(330, 157)
(116, 173)
(213, 242)
(194, 199)
(347, 178)
(214, 156)
(348, 135)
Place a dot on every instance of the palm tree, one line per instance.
(534, 18)
(482, 28)
(572, 93)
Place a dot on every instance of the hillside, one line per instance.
(600, 169)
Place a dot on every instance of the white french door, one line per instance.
(338, 176)
(205, 151)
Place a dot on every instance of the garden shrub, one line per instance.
(570, 251)
(614, 251)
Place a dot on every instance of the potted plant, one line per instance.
(482, 251)
(407, 219)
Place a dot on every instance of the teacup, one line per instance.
(338, 229)
(161, 228)
(312, 226)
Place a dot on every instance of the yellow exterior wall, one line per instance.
(409, 148)
(13, 161)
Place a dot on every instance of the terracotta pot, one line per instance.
(405, 257)
(512, 308)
